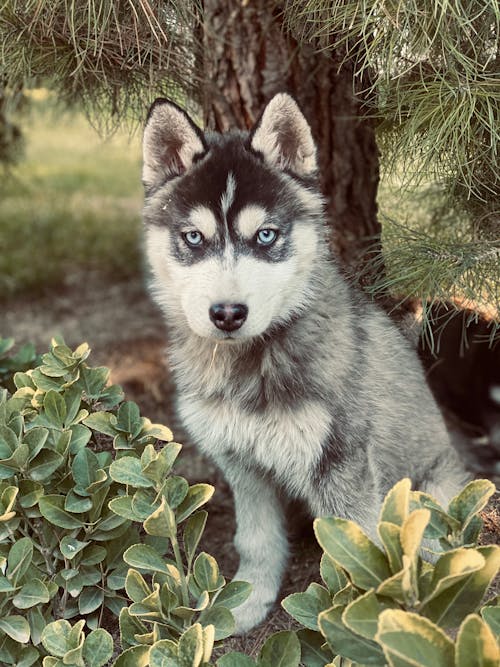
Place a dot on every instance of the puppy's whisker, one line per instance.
(214, 352)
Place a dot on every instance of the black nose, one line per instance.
(228, 316)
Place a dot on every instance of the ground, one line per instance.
(126, 333)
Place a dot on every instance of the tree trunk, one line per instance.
(247, 57)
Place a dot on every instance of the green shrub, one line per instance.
(380, 606)
(80, 472)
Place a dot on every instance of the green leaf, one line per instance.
(314, 653)
(93, 555)
(103, 422)
(206, 572)
(111, 396)
(476, 645)
(451, 567)
(190, 651)
(128, 418)
(109, 527)
(30, 492)
(346, 643)
(80, 436)
(8, 442)
(471, 500)
(222, 620)
(44, 464)
(159, 431)
(145, 502)
(136, 586)
(90, 599)
(92, 381)
(390, 536)
(55, 408)
(123, 507)
(127, 470)
(164, 653)
(32, 593)
(197, 496)
(193, 531)
(361, 615)
(333, 576)
(175, 490)
(170, 451)
(84, 467)
(37, 623)
(16, 627)
(19, 559)
(280, 650)
(129, 627)
(97, 648)
(234, 594)
(450, 607)
(77, 504)
(162, 522)
(27, 656)
(70, 546)
(306, 607)
(352, 550)
(145, 557)
(52, 508)
(136, 656)
(492, 616)
(36, 438)
(411, 640)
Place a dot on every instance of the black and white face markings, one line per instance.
(229, 208)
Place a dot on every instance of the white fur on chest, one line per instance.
(284, 441)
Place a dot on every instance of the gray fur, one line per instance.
(320, 399)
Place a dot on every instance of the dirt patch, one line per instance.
(126, 333)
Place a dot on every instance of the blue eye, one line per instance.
(193, 238)
(266, 236)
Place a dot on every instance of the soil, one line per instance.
(126, 333)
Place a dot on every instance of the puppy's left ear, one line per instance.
(283, 136)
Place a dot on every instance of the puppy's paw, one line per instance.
(263, 596)
(249, 614)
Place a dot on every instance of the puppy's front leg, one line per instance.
(261, 542)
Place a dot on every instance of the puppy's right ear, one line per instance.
(171, 142)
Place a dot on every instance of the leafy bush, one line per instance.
(71, 502)
(386, 605)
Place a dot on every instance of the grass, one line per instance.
(71, 206)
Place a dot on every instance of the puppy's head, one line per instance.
(233, 221)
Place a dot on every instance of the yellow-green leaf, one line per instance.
(362, 614)
(350, 548)
(395, 507)
(450, 607)
(476, 645)
(409, 640)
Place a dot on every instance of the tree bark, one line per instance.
(247, 58)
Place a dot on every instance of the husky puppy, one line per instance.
(287, 377)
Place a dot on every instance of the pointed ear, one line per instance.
(171, 142)
(284, 138)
